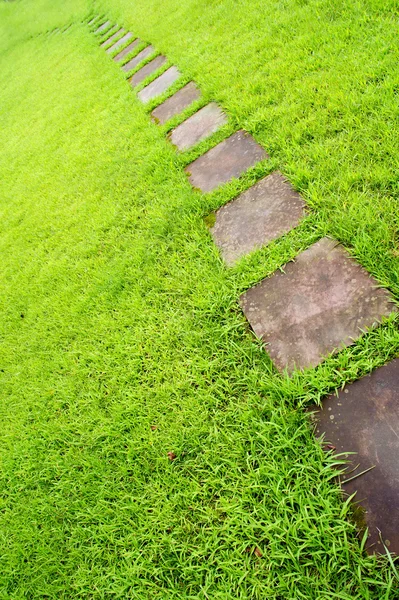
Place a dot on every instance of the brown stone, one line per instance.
(147, 70)
(364, 418)
(318, 304)
(136, 60)
(159, 85)
(112, 38)
(259, 215)
(120, 42)
(228, 159)
(126, 50)
(198, 127)
(176, 103)
(103, 27)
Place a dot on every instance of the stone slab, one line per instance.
(227, 160)
(92, 21)
(364, 418)
(103, 27)
(113, 37)
(176, 103)
(198, 127)
(147, 70)
(125, 38)
(136, 60)
(259, 215)
(126, 50)
(159, 85)
(318, 304)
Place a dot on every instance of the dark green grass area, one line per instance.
(121, 336)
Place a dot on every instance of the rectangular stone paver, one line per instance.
(318, 304)
(364, 418)
(259, 215)
(126, 50)
(198, 127)
(125, 38)
(103, 27)
(229, 159)
(113, 37)
(159, 85)
(147, 70)
(136, 60)
(176, 103)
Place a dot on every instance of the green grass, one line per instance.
(121, 337)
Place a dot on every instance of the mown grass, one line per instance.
(121, 337)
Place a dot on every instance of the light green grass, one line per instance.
(119, 316)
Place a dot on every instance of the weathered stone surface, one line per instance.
(103, 27)
(198, 127)
(364, 418)
(136, 60)
(159, 85)
(320, 303)
(125, 38)
(147, 70)
(113, 37)
(259, 215)
(228, 159)
(126, 50)
(176, 103)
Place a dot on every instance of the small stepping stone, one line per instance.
(198, 127)
(113, 37)
(176, 103)
(364, 418)
(159, 85)
(318, 304)
(259, 215)
(103, 27)
(146, 71)
(229, 159)
(134, 62)
(93, 20)
(120, 42)
(126, 50)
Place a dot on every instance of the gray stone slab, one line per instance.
(198, 127)
(113, 37)
(127, 50)
(364, 418)
(136, 60)
(176, 103)
(229, 159)
(147, 70)
(320, 303)
(103, 27)
(125, 38)
(159, 85)
(259, 215)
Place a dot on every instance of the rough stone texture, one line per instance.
(113, 37)
(120, 42)
(259, 215)
(176, 103)
(364, 418)
(147, 70)
(134, 62)
(198, 127)
(159, 85)
(317, 305)
(126, 50)
(228, 159)
(103, 27)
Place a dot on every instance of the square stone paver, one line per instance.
(113, 37)
(198, 127)
(103, 27)
(318, 304)
(125, 38)
(147, 70)
(159, 85)
(228, 159)
(364, 418)
(259, 215)
(126, 50)
(176, 103)
(136, 60)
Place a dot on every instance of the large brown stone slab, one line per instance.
(199, 126)
(147, 70)
(103, 27)
(176, 103)
(159, 85)
(113, 37)
(126, 50)
(136, 60)
(364, 418)
(125, 38)
(318, 304)
(228, 159)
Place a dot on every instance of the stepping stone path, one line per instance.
(159, 85)
(320, 303)
(126, 50)
(147, 70)
(103, 27)
(198, 127)
(263, 213)
(364, 418)
(228, 159)
(120, 42)
(112, 38)
(136, 60)
(176, 103)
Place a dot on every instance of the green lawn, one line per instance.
(121, 336)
